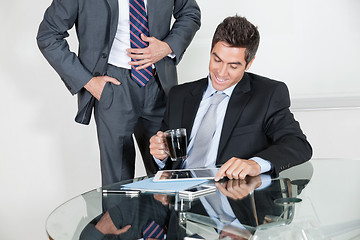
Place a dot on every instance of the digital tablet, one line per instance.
(186, 174)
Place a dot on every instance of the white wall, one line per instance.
(332, 133)
(310, 45)
(46, 158)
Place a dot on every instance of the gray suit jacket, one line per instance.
(96, 24)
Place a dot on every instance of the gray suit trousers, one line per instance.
(121, 111)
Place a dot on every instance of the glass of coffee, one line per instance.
(176, 143)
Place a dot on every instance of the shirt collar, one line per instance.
(211, 90)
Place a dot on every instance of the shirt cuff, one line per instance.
(265, 181)
(172, 55)
(265, 165)
(161, 164)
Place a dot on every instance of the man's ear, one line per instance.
(249, 64)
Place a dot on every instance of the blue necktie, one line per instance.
(138, 26)
(154, 231)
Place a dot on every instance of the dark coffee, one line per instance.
(176, 146)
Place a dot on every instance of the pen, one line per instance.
(129, 192)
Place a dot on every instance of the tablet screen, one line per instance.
(186, 174)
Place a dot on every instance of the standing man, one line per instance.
(234, 118)
(124, 68)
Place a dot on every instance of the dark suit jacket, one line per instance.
(96, 24)
(257, 123)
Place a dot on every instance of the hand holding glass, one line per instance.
(176, 143)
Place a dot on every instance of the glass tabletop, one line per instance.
(305, 202)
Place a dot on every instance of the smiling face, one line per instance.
(227, 65)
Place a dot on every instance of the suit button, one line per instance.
(97, 74)
(104, 55)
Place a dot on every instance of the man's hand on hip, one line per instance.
(145, 57)
(96, 85)
(236, 168)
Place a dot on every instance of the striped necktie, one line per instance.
(138, 25)
(153, 231)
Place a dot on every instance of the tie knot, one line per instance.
(217, 97)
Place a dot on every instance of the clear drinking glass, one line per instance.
(176, 143)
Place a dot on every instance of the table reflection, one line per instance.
(136, 212)
(235, 211)
(315, 202)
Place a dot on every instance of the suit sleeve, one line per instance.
(172, 119)
(90, 232)
(165, 125)
(288, 145)
(187, 22)
(58, 19)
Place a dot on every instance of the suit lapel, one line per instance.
(237, 103)
(191, 105)
(114, 18)
(151, 10)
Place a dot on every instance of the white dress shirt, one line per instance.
(118, 55)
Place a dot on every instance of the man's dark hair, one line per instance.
(238, 32)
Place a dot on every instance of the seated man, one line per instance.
(249, 128)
